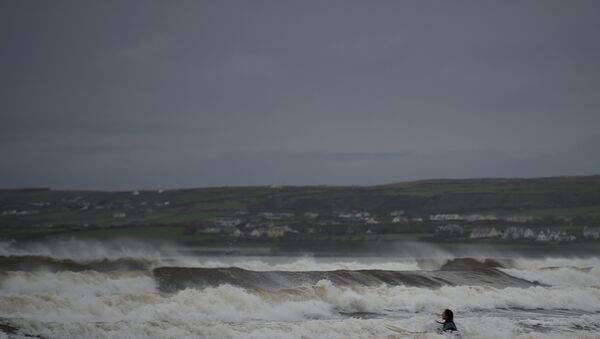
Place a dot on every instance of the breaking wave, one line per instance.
(34, 263)
(177, 278)
(127, 306)
(121, 290)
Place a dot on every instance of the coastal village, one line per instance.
(271, 225)
(286, 214)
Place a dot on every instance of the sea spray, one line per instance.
(113, 291)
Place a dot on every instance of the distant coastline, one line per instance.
(524, 212)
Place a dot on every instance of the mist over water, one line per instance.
(74, 289)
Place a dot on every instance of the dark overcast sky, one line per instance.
(141, 94)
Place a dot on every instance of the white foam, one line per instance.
(126, 305)
(76, 283)
(563, 276)
(88, 251)
(528, 263)
(574, 272)
(83, 251)
(303, 264)
(472, 326)
(414, 299)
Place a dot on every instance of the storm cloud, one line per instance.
(132, 94)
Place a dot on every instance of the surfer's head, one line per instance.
(447, 315)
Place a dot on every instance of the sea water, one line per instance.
(92, 290)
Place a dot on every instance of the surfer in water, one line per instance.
(448, 324)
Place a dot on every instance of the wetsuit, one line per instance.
(449, 326)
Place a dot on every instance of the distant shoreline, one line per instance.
(524, 213)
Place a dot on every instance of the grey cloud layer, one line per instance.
(336, 92)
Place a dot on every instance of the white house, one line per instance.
(451, 229)
(311, 215)
(591, 232)
(371, 221)
(519, 218)
(272, 231)
(445, 217)
(554, 236)
(400, 219)
(484, 232)
(228, 222)
(480, 217)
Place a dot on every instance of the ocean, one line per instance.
(76, 289)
